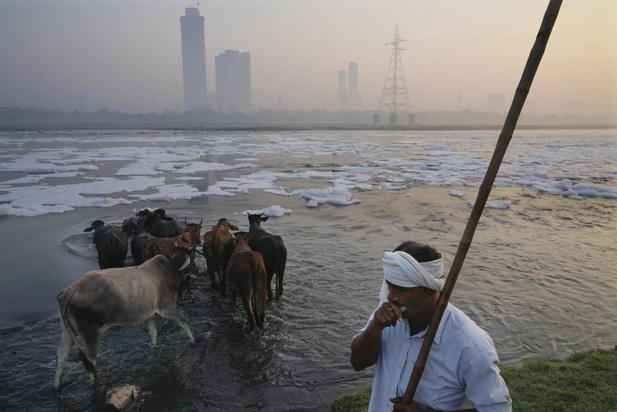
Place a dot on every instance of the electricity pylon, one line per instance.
(394, 97)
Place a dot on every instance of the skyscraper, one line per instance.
(348, 97)
(194, 60)
(233, 81)
(342, 90)
(352, 88)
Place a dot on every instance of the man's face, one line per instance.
(412, 298)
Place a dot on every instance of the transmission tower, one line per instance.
(394, 97)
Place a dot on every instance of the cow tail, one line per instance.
(117, 245)
(63, 304)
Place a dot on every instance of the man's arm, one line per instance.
(365, 346)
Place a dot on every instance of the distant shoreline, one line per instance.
(17, 127)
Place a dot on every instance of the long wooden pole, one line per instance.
(533, 61)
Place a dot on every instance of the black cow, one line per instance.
(133, 225)
(273, 250)
(138, 244)
(162, 225)
(111, 244)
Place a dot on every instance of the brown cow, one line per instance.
(218, 246)
(194, 229)
(246, 275)
(166, 246)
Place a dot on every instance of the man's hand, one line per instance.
(388, 314)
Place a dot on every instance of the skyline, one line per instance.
(126, 56)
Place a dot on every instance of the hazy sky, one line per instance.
(125, 54)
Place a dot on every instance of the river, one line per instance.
(539, 276)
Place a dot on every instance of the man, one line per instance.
(461, 372)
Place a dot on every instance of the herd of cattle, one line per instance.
(163, 253)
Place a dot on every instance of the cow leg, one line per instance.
(212, 275)
(175, 316)
(261, 305)
(280, 272)
(257, 309)
(279, 285)
(66, 343)
(91, 336)
(247, 303)
(152, 330)
(223, 280)
(269, 284)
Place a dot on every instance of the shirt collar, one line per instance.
(439, 333)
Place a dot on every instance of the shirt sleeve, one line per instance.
(368, 322)
(484, 386)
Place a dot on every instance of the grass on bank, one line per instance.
(586, 381)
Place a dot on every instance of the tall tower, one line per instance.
(194, 60)
(394, 96)
(353, 98)
(233, 81)
(342, 90)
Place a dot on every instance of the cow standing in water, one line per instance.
(273, 250)
(218, 246)
(246, 275)
(118, 297)
(111, 244)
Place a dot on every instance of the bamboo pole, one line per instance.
(533, 61)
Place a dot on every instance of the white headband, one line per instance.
(403, 270)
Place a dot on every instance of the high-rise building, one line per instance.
(194, 60)
(348, 97)
(353, 98)
(233, 81)
(342, 90)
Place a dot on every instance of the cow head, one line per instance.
(97, 224)
(225, 222)
(241, 236)
(258, 218)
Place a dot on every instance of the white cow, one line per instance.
(118, 297)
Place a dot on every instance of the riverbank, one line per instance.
(585, 381)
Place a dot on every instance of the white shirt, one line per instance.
(461, 367)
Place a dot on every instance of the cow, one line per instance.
(111, 244)
(133, 225)
(162, 225)
(138, 244)
(193, 228)
(166, 246)
(273, 250)
(246, 275)
(118, 297)
(218, 245)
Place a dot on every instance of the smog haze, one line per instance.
(126, 55)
